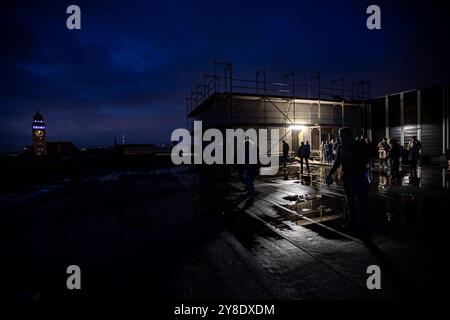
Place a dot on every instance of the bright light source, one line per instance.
(297, 127)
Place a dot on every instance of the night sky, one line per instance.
(129, 68)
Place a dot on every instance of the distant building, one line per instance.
(39, 132)
(43, 147)
(136, 149)
(62, 149)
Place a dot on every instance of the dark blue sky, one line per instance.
(131, 65)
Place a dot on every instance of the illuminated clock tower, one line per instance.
(39, 134)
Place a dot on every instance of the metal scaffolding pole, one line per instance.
(286, 77)
(258, 73)
(228, 76)
(334, 82)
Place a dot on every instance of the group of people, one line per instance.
(387, 151)
(355, 158)
(390, 149)
(304, 153)
(329, 150)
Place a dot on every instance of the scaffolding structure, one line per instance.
(285, 96)
(222, 82)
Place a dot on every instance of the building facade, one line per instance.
(422, 113)
(300, 112)
(298, 119)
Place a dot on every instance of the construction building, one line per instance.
(309, 111)
(302, 112)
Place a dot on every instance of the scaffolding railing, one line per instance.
(225, 84)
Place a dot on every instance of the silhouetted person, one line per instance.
(329, 151)
(303, 153)
(373, 152)
(285, 152)
(414, 147)
(383, 148)
(353, 158)
(403, 155)
(394, 158)
(335, 148)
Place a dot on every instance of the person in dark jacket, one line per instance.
(328, 151)
(403, 155)
(353, 158)
(414, 148)
(373, 154)
(303, 153)
(308, 149)
(285, 152)
(394, 158)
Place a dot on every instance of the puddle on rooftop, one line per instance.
(318, 207)
(399, 209)
(425, 177)
(314, 177)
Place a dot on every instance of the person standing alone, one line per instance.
(285, 152)
(303, 153)
(414, 147)
(353, 157)
(394, 157)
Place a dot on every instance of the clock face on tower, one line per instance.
(39, 133)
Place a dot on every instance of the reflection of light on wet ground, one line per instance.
(383, 182)
(409, 180)
(402, 204)
(317, 207)
(401, 210)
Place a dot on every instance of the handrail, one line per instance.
(225, 84)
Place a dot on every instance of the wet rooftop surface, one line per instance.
(187, 232)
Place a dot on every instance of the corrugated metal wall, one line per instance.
(378, 120)
(423, 116)
(411, 125)
(432, 116)
(394, 117)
